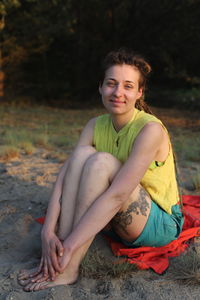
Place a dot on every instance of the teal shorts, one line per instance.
(161, 228)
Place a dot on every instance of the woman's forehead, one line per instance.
(122, 72)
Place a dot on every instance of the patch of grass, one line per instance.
(58, 155)
(186, 145)
(196, 180)
(96, 266)
(9, 152)
(187, 267)
(25, 139)
(41, 140)
(27, 147)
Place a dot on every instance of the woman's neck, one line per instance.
(119, 121)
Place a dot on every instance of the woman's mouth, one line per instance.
(116, 101)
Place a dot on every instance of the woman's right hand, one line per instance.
(52, 249)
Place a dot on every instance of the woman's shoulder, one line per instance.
(145, 117)
(103, 120)
(98, 121)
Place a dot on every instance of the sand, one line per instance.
(26, 184)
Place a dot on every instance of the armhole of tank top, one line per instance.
(155, 163)
(162, 163)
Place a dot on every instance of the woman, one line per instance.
(120, 177)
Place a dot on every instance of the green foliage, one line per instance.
(52, 49)
(183, 98)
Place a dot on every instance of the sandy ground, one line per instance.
(25, 185)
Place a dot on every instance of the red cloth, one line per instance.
(157, 258)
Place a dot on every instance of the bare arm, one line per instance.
(145, 150)
(54, 202)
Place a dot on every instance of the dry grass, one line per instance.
(97, 266)
(9, 152)
(196, 181)
(60, 156)
(58, 130)
(187, 267)
(186, 144)
(27, 147)
(26, 128)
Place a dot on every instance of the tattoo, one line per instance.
(140, 206)
(143, 203)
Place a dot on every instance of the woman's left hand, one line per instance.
(65, 258)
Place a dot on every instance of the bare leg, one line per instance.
(98, 173)
(69, 195)
(132, 217)
(70, 189)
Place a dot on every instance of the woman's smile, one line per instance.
(117, 101)
(120, 89)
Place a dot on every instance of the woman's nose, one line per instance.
(118, 90)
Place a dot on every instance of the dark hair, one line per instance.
(128, 57)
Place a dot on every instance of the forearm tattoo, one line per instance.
(140, 206)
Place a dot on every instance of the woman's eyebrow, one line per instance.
(111, 79)
(129, 81)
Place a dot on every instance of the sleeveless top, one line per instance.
(159, 180)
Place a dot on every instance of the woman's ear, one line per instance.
(140, 92)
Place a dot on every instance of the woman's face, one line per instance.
(120, 89)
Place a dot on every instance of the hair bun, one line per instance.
(143, 66)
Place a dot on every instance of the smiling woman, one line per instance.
(120, 178)
(120, 91)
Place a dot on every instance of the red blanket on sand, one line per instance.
(157, 258)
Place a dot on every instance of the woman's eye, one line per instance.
(111, 84)
(128, 86)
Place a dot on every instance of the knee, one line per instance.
(102, 162)
(82, 153)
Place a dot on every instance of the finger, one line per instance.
(51, 269)
(26, 274)
(54, 260)
(38, 269)
(45, 269)
(63, 262)
(41, 264)
(42, 279)
(37, 277)
(59, 248)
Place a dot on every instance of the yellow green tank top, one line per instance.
(159, 180)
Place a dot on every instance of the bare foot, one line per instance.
(68, 277)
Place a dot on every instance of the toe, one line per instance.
(24, 282)
(27, 287)
(22, 274)
(30, 287)
(41, 286)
